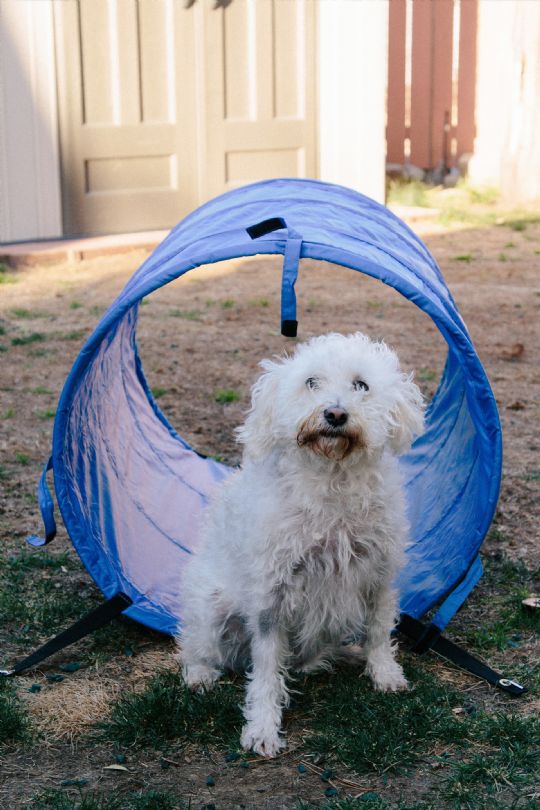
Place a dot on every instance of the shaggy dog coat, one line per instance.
(302, 544)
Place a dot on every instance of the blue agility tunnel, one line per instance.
(131, 490)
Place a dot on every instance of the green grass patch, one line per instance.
(496, 618)
(228, 303)
(76, 334)
(426, 375)
(510, 757)
(9, 413)
(41, 389)
(27, 314)
(225, 395)
(48, 413)
(36, 596)
(413, 193)
(503, 257)
(532, 475)
(264, 303)
(187, 314)
(5, 276)
(142, 800)
(14, 724)
(158, 392)
(371, 731)
(41, 352)
(76, 305)
(25, 340)
(96, 310)
(22, 458)
(3, 347)
(167, 710)
(464, 257)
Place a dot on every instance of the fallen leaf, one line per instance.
(514, 352)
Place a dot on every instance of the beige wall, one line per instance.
(29, 162)
(507, 150)
(353, 72)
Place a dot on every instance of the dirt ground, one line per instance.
(203, 335)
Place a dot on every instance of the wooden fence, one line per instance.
(431, 81)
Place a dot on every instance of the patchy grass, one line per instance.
(510, 759)
(463, 257)
(348, 720)
(75, 334)
(76, 305)
(143, 800)
(24, 340)
(48, 413)
(158, 392)
(426, 375)
(41, 389)
(28, 314)
(167, 710)
(14, 724)
(225, 395)
(5, 276)
(187, 314)
(228, 303)
(22, 458)
(36, 595)
(499, 595)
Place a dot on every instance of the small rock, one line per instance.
(36, 687)
(330, 792)
(327, 775)
(121, 759)
(301, 768)
(210, 781)
(318, 759)
(232, 756)
(73, 666)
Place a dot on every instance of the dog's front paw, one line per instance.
(387, 676)
(264, 741)
(198, 677)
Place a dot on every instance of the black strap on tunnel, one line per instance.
(97, 618)
(427, 637)
(289, 323)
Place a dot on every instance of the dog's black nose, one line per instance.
(336, 416)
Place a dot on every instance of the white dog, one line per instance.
(302, 544)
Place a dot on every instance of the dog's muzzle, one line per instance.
(331, 436)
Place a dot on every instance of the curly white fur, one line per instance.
(302, 544)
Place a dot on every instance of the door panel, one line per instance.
(162, 107)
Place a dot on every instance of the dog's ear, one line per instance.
(257, 434)
(406, 416)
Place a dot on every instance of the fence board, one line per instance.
(466, 130)
(421, 83)
(431, 90)
(441, 77)
(395, 136)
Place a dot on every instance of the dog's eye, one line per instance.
(360, 385)
(312, 382)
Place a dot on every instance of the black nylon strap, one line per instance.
(424, 640)
(97, 618)
(266, 226)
